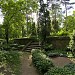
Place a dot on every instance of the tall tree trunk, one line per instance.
(23, 31)
(6, 34)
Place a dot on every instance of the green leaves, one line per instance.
(68, 69)
(59, 71)
(15, 12)
(41, 62)
(69, 23)
(10, 61)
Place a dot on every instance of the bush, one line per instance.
(48, 47)
(41, 62)
(62, 33)
(53, 54)
(12, 60)
(56, 53)
(71, 67)
(59, 71)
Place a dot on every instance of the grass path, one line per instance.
(27, 67)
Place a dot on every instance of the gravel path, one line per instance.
(27, 67)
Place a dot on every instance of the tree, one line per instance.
(1, 31)
(33, 29)
(14, 13)
(44, 22)
(55, 26)
(66, 2)
(70, 21)
(56, 17)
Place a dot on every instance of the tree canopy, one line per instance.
(18, 21)
(15, 15)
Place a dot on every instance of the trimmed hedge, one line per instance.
(59, 71)
(40, 61)
(71, 67)
(46, 67)
(68, 69)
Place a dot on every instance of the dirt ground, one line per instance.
(61, 61)
(27, 67)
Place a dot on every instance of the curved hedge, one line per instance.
(71, 67)
(59, 71)
(40, 61)
(68, 69)
(45, 65)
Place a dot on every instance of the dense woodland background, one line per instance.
(19, 23)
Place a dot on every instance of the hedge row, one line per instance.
(45, 65)
(59, 71)
(40, 61)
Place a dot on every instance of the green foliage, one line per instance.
(41, 61)
(13, 60)
(56, 18)
(72, 43)
(1, 32)
(44, 22)
(56, 52)
(71, 67)
(69, 23)
(48, 47)
(14, 12)
(44, 65)
(10, 61)
(59, 71)
(68, 69)
(62, 33)
(33, 29)
(55, 25)
(8, 47)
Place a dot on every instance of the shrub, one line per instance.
(40, 61)
(58, 71)
(12, 60)
(48, 47)
(56, 53)
(53, 54)
(71, 67)
(62, 33)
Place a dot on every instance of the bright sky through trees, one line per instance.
(1, 17)
(69, 11)
(70, 8)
